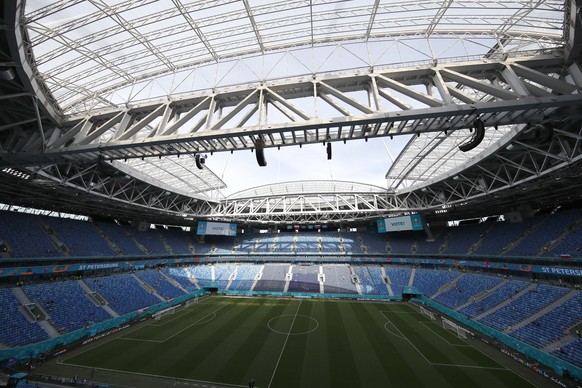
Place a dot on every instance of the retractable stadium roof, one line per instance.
(130, 82)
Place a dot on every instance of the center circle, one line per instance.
(291, 324)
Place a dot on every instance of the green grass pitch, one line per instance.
(299, 343)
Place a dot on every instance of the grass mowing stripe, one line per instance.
(410, 342)
(162, 332)
(248, 350)
(311, 343)
(175, 333)
(341, 358)
(196, 322)
(284, 344)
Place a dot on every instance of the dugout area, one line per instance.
(226, 341)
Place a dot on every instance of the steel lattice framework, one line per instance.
(87, 51)
(115, 107)
(417, 100)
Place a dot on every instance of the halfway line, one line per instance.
(284, 344)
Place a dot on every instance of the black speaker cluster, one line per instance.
(260, 148)
(477, 137)
(200, 161)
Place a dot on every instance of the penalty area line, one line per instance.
(427, 323)
(201, 382)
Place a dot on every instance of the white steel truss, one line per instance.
(128, 84)
(542, 163)
(522, 165)
(432, 98)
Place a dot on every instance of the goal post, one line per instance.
(427, 313)
(165, 312)
(449, 325)
(191, 301)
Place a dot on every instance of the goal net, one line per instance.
(461, 333)
(427, 313)
(190, 301)
(165, 312)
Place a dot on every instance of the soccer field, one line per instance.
(298, 343)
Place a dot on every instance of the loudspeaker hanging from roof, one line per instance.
(200, 160)
(260, 147)
(477, 137)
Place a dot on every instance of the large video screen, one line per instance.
(216, 228)
(395, 224)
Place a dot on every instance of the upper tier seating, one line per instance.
(402, 242)
(307, 242)
(546, 235)
(501, 236)
(547, 229)
(25, 237)
(118, 236)
(80, 237)
(351, 243)
(178, 240)
(149, 239)
(462, 237)
(375, 242)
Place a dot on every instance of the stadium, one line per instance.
(322, 193)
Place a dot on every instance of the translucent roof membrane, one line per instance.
(126, 51)
(110, 53)
(432, 154)
(179, 175)
(307, 187)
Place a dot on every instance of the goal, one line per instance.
(461, 332)
(427, 313)
(190, 301)
(165, 312)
